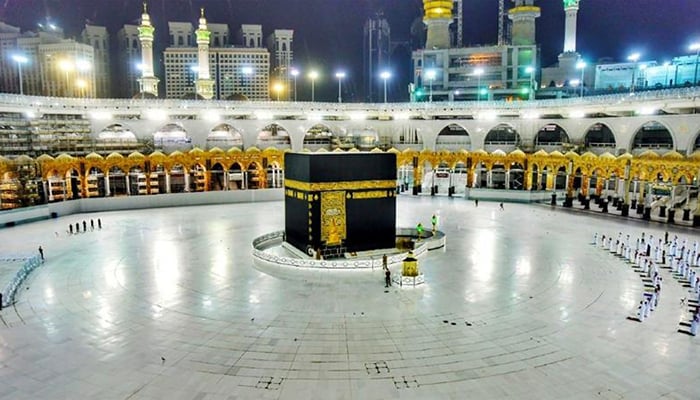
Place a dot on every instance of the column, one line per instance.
(187, 180)
(128, 186)
(626, 204)
(167, 182)
(507, 179)
(50, 191)
(106, 178)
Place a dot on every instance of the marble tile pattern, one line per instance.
(167, 304)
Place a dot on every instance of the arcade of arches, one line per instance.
(26, 181)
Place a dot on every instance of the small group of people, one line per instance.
(71, 231)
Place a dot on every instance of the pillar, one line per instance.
(128, 186)
(106, 178)
(167, 182)
(187, 180)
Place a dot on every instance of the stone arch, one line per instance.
(599, 135)
(235, 176)
(453, 137)
(217, 180)
(319, 136)
(502, 136)
(255, 176)
(171, 137)
(116, 132)
(365, 139)
(653, 135)
(224, 136)
(551, 136)
(273, 135)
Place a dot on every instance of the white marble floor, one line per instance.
(167, 304)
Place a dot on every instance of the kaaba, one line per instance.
(340, 202)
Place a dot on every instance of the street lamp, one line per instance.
(531, 70)
(340, 75)
(385, 75)
(634, 58)
(430, 75)
(313, 75)
(582, 66)
(278, 88)
(19, 59)
(696, 47)
(295, 73)
(478, 72)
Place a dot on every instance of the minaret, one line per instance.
(438, 16)
(148, 82)
(571, 9)
(523, 16)
(204, 84)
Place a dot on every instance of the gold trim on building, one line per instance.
(335, 186)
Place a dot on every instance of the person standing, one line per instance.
(99, 223)
(92, 224)
(476, 202)
(70, 228)
(84, 226)
(433, 221)
(41, 253)
(385, 262)
(387, 278)
(501, 205)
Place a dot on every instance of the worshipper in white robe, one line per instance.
(595, 239)
(647, 308)
(640, 311)
(694, 323)
(612, 246)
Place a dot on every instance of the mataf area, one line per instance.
(166, 303)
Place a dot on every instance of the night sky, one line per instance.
(328, 33)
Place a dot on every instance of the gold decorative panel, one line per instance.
(333, 217)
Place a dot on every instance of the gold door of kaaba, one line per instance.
(333, 217)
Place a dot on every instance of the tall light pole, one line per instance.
(295, 73)
(430, 75)
(313, 75)
(340, 75)
(478, 72)
(531, 93)
(582, 66)
(19, 59)
(634, 58)
(696, 47)
(666, 64)
(385, 75)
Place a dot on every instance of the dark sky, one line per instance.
(328, 33)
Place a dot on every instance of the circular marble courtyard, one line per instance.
(167, 304)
